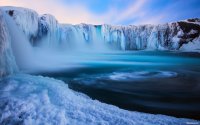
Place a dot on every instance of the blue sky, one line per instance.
(118, 12)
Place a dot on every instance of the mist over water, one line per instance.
(152, 82)
(50, 56)
(22, 49)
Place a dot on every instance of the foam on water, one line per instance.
(124, 76)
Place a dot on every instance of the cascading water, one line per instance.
(7, 60)
(21, 47)
(51, 54)
(56, 45)
(29, 58)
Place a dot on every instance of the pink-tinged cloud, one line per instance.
(134, 10)
(75, 14)
(79, 13)
(65, 13)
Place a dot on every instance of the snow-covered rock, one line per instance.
(26, 19)
(36, 100)
(193, 46)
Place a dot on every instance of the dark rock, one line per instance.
(11, 12)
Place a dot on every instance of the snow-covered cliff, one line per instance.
(170, 36)
(46, 30)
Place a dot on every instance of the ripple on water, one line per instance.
(124, 76)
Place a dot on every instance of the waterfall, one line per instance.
(54, 44)
(29, 58)
(7, 60)
(22, 49)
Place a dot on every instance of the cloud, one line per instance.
(171, 12)
(132, 12)
(79, 13)
(65, 13)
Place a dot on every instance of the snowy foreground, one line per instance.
(36, 100)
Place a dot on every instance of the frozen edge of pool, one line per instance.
(33, 100)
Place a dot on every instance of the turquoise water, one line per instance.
(153, 82)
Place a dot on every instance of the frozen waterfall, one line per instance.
(40, 42)
(45, 31)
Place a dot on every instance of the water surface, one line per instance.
(153, 82)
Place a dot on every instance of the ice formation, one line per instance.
(7, 60)
(38, 100)
(192, 46)
(46, 30)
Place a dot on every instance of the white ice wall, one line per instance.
(26, 19)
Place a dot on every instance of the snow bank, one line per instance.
(33, 100)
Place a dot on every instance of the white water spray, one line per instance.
(28, 58)
(46, 58)
(22, 49)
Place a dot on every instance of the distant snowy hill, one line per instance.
(45, 29)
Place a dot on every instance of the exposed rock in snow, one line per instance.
(26, 19)
(194, 20)
(49, 30)
(34, 100)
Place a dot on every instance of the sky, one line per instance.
(116, 12)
